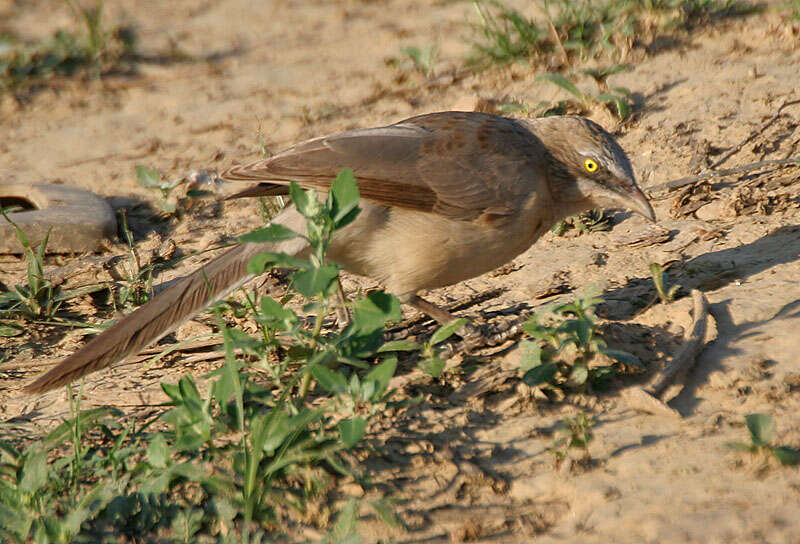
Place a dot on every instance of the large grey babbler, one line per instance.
(445, 197)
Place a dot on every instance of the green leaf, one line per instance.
(447, 331)
(271, 233)
(562, 82)
(34, 471)
(10, 330)
(276, 316)
(305, 201)
(578, 375)
(740, 446)
(399, 345)
(344, 198)
(158, 453)
(623, 109)
(786, 455)
(761, 427)
(352, 430)
(373, 311)
(333, 382)
(315, 281)
(530, 355)
(147, 178)
(263, 261)
(433, 367)
(541, 374)
(623, 357)
(382, 374)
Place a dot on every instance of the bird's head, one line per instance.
(588, 169)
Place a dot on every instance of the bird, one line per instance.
(445, 197)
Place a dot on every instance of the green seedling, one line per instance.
(617, 100)
(40, 298)
(591, 221)
(659, 276)
(762, 430)
(506, 35)
(423, 59)
(566, 350)
(151, 179)
(573, 434)
(95, 49)
(431, 361)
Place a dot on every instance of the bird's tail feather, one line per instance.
(161, 315)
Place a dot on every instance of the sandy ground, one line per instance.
(471, 462)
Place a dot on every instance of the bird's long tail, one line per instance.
(161, 315)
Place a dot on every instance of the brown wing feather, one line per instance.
(456, 164)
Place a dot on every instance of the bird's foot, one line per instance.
(488, 335)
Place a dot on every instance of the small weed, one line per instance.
(137, 279)
(567, 351)
(431, 361)
(96, 49)
(571, 30)
(660, 281)
(573, 434)
(236, 458)
(794, 7)
(506, 35)
(422, 59)
(40, 298)
(585, 222)
(762, 430)
(617, 99)
(151, 179)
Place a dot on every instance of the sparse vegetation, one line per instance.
(659, 275)
(567, 352)
(94, 51)
(40, 297)
(273, 450)
(762, 431)
(422, 59)
(565, 31)
(573, 433)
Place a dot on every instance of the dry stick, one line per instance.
(661, 388)
(755, 133)
(682, 182)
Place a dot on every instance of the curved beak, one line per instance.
(638, 203)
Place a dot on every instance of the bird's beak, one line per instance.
(638, 203)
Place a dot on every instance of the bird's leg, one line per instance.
(473, 336)
(343, 317)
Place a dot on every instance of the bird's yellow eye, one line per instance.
(590, 165)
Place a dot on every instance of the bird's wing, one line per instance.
(457, 164)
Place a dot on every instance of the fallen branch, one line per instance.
(666, 384)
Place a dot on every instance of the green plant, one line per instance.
(65, 53)
(617, 100)
(567, 351)
(585, 222)
(571, 30)
(431, 361)
(234, 458)
(506, 35)
(659, 276)
(40, 298)
(151, 179)
(423, 59)
(762, 430)
(794, 6)
(573, 433)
